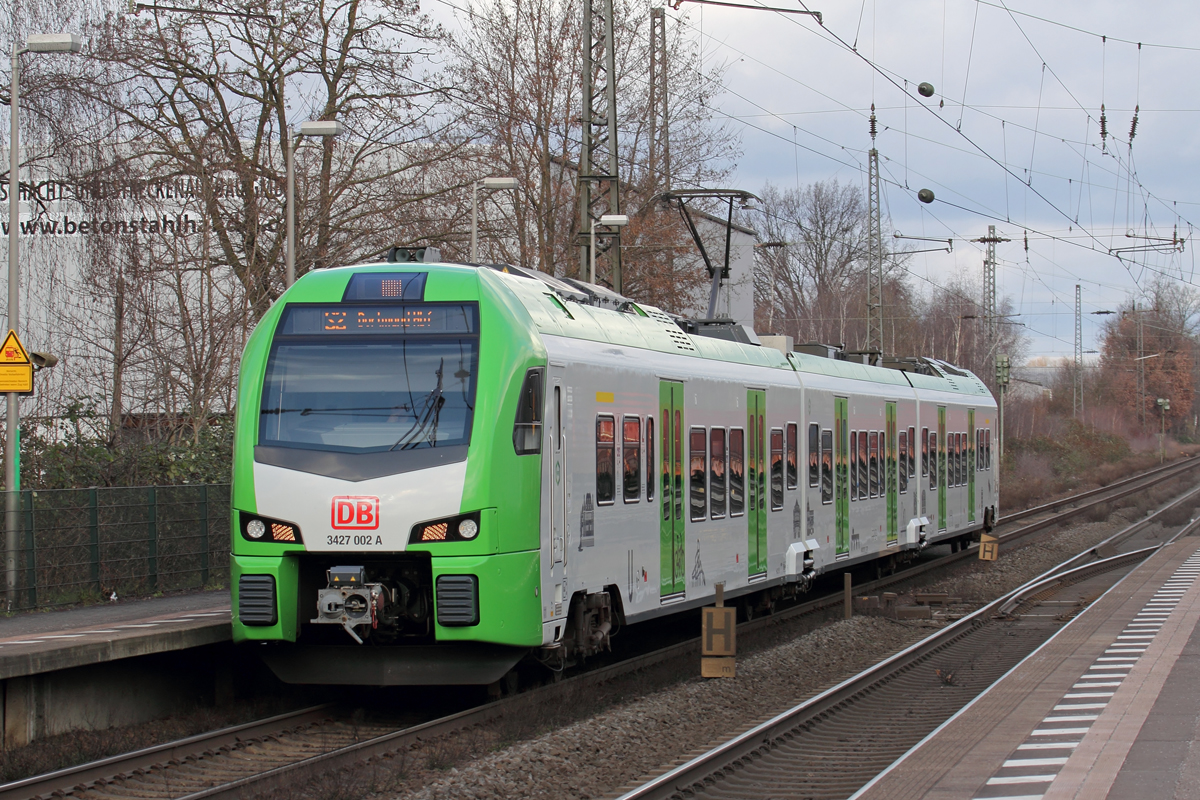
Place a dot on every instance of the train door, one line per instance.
(890, 464)
(670, 406)
(756, 513)
(970, 465)
(841, 475)
(941, 468)
(556, 439)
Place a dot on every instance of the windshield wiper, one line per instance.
(426, 424)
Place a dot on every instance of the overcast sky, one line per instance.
(1003, 141)
(789, 80)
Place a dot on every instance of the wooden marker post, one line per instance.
(989, 548)
(718, 639)
(848, 597)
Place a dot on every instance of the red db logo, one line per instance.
(353, 512)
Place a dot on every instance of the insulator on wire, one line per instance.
(1133, 125)
(1103, 128)
(872, 122)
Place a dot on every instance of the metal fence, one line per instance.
(84, 544)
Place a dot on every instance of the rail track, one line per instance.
(831, 745)
(290, 749)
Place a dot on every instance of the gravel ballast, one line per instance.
(640, 729)
(591, 757)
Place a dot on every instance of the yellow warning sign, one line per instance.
(16, 370)
(13, 352)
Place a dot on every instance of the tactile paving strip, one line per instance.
(1030, 769)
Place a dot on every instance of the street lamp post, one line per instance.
(321, 127)
(611, 220)
(40, 43)
(490, 184)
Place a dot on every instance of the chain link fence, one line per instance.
(80, 545)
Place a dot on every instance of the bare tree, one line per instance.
(210, 101)
(517, 66)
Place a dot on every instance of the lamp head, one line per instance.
(614, 220)
(321, 127)
(54, 43)
(43, 360)
(498, 183)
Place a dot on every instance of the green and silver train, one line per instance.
(442, 470)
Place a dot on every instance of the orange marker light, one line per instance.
(435, 533)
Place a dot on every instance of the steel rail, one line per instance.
(64, 780)
(68, 780)
(684, 778)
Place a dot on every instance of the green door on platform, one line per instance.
(670, 406)
(756, 484)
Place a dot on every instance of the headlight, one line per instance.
(460, 528)
(468, 528)
(264, 529)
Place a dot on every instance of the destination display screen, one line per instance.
(391, 319)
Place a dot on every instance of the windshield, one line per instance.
(369, 391)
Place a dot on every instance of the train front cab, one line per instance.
(412, 526)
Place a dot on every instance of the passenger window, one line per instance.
(650, 458)
(924, 452)
(988, 439)
(716, 472)
(854, 465)
(827, 466)
(737, 472)
(697, 450)
(953, 477)
(776, 469)
(793, 456)
(527, 427)
(606, 453)
(631, 458)
(931, 441)
(903, 471)
(873, 467)
(964, 452)
(912, 452)
(951, 455)
(864, 456)
(960, 452)
(814, 455)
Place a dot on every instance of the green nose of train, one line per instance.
(441, 470)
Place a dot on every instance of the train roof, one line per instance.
(597, 313)
(580, 310)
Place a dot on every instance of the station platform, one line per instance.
(39, 642)
(1107, 708)
(100, 666)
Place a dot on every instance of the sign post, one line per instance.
(16, 377)
(718, 639)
